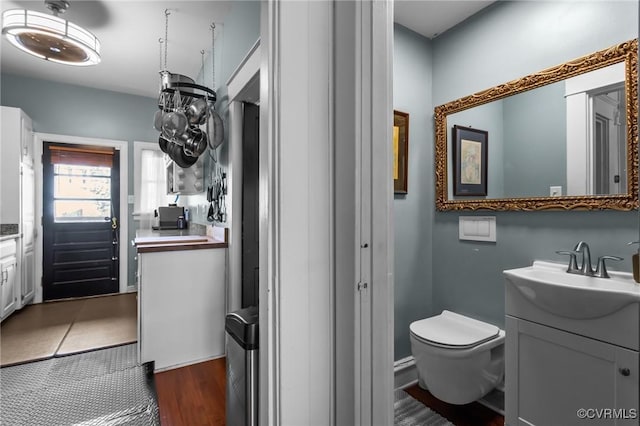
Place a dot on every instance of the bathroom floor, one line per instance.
(473, 414)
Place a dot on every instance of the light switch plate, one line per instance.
(477, 228)
(555, 191)
(131, 199)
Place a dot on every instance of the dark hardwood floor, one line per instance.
(193, 395)
(473, 414)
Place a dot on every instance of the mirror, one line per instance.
(563, 138)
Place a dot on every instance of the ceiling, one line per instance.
(433, 17)
(129, 33)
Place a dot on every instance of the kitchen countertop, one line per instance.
(9, 230)
(9, 237)
(150, 241)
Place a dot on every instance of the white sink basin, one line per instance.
(548, 286)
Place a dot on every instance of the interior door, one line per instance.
(250, 233)
(80, 224)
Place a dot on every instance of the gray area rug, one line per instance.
(104, 387)
(410, 412)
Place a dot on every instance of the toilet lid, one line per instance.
(451, 329)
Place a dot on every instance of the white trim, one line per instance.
(382, 231)
(244, 81)
(405, 373)
(188, 363)
(253, 55)
(235, 201)
(123, 147)
(296, 257)
(247, 71)
(579, 124)
(268, 363)
(304, 321)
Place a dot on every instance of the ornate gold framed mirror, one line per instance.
(572, 143)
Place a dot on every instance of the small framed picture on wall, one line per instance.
(470, 161)
(400, 151)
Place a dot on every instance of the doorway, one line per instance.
(81, 201)
(250, 204)
(609, 141)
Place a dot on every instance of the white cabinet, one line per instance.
(8, 269)
(181, 306)
(28, 284)
(27, 242)
(17, 195)
(16, 148)
(552, 374)
(557, 365)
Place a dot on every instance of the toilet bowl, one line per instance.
(459, 359)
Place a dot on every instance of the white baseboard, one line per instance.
(405, 373)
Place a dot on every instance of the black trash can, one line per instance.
(241, 339)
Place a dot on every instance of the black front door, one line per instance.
(80, 220)
(250, 200)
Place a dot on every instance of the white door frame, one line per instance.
(123, 147)
(243, 80)
(308, 329)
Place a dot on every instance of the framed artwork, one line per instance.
(400, 151)
(470, 161)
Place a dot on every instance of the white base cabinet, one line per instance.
(552, 375)
(8, 272)
(181, 306)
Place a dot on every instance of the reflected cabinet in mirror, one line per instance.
(563, 138)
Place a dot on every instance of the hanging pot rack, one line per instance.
(172, 87)
(187, 125)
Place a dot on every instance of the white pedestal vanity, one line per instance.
(571, 348)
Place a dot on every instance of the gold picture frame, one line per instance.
(400, 152)
(626, 52)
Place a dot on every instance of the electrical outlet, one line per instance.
(555, 191)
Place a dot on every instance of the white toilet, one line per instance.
(459, 359)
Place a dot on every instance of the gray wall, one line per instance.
(66, 109)
(506, 41)
(535, 132)
(488, 117)
(234, 39)
(413, 212)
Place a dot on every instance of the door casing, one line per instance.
(123, 147)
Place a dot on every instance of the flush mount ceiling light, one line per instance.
(50, 37)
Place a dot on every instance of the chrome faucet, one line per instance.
(585, 268)
(601, 270)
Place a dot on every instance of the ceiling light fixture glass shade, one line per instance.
(50, 37)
